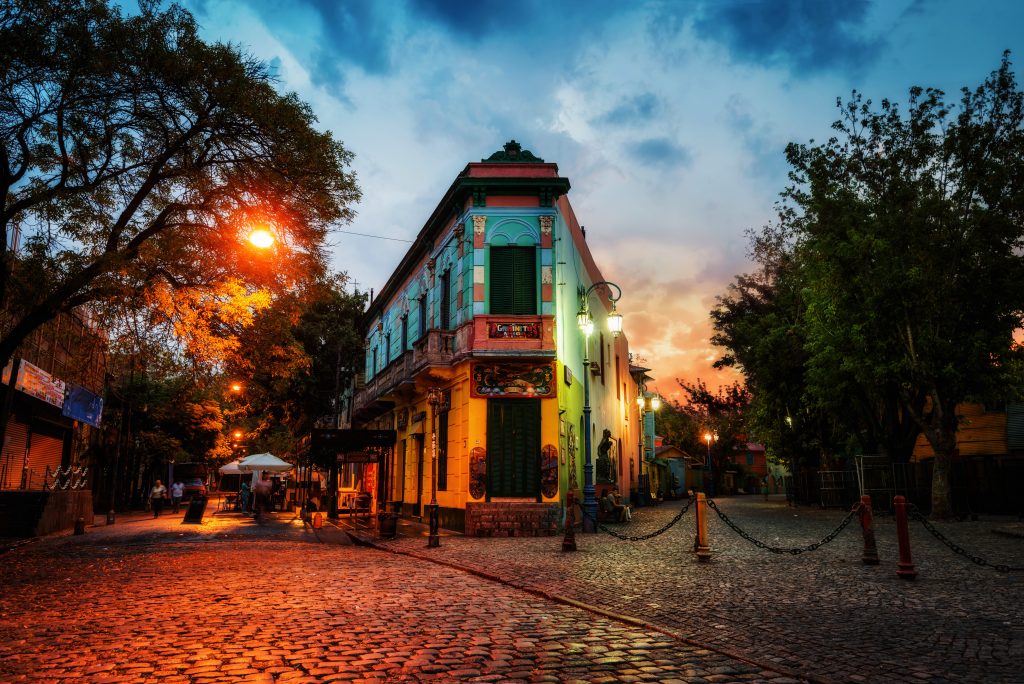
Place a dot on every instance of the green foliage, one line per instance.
(134, 155)
(890, 287)
(719, 423)
(296, 361)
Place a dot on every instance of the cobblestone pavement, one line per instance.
(230, 600)
(822, 615)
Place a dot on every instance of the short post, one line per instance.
(79, 525)
(110, 517)
(703, 549)
(569, 541)
(905, 566)
(867, 527)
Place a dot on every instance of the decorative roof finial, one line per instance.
(514, 152)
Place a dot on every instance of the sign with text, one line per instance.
(36, 382)
(82, 405)
(511, 331)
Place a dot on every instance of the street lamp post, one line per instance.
(586, 324)
(646, 404)
(709, 486)
(435, 397)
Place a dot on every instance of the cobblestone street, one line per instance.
(821, 614)
(147, 600)
(153, 600)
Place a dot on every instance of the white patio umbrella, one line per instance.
(258, 462)
(231, 468)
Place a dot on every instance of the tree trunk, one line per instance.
(942, 499)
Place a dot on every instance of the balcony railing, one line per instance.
(483, 335)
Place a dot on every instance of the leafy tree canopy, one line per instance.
(903, 241)
(135, 158)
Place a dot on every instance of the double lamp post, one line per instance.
(586, 324)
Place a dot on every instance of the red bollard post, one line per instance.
(870, 556)
(569, 541)
(905, 566)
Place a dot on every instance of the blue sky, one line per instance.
(669, 118)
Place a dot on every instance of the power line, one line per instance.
(379, 237)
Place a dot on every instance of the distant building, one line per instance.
(483, 309)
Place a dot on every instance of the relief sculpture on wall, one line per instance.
(534, 381)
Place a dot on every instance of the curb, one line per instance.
(362, 540)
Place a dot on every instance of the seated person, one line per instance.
(616, 510)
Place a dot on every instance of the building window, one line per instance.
(513, 281)
(387, 349)
(373, 367)
(446, 300)
(442, 444)
(405, 332)
(423, 315)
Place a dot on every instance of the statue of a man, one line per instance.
(605, 467)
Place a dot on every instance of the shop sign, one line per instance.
(82, 405)
(36, 382)
(509, 331)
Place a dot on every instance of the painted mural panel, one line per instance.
(549, 471)
(478, 472)
(530, 380)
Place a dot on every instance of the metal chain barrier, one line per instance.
(776, 549)
(956, 548)
(642, 537)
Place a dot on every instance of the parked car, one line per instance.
(194, 487)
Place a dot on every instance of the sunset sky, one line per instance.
(669, 118)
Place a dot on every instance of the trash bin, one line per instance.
(387, 525)
(195, 510)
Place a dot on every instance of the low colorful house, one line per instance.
(474, 357)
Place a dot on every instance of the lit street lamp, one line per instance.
(435, 397)
(261, 238)
(646, 403)
(709, 486)
(586, 324)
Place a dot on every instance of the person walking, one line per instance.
(177, 492)
(262, 490)
(156, 498)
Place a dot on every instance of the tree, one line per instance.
(297, 359)
(721, 417)
(134, 156)
(761, 324)
(908, 232)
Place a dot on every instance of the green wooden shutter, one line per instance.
(514, 280)
(524, 285)
(513, 447)
(502, 270)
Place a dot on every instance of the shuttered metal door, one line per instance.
(45, 449)
(13, 455)
(513, 448)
